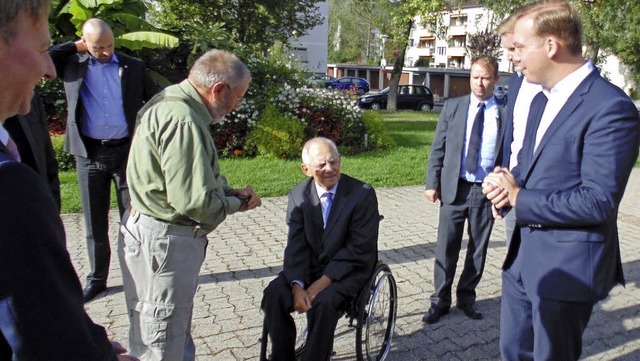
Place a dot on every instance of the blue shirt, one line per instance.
(101, 93)
(489, 136)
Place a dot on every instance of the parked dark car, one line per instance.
(416, 97)
(347, 83)
(318, 80)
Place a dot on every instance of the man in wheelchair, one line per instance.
(331, 252)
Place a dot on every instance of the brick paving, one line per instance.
(245, 253)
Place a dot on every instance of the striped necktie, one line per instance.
(327, 202)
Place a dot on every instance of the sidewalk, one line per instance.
(245, 253)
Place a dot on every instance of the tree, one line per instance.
(484, 42)
(125, 17)
(403, 19)
(248, 23)
(610, 26)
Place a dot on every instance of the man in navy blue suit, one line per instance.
(41, 312)
(572, 171)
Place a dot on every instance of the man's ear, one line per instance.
(306, 170)
(552, 46)
(217, 89)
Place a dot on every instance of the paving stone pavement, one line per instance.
(245, 253)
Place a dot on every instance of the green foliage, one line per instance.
(277, 134)
(65, 160)
(125, 17)
(249, 23)
(376, 129)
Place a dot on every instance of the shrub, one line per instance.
(65, 160)
(277, 134)
(376, 130)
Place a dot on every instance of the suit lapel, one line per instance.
(563, 116)
(459, 129)
(314, 207)
(123, 72)
(339, 201)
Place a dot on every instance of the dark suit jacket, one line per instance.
(443, 169)
(346, 250)
(572, 186)
(42, 316)
(137, 88)
(35, 128)
(515, 82)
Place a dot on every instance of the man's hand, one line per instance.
(501, 188)
(301, 299)
(318, 286)
(120, 351)
(431, 195)
(249, 197)
(81, 46)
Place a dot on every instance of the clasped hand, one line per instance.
(501, 189)
(249, 197)
(302, 299)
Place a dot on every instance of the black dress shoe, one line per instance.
(470, 312)
(91, 291)
(434, 314)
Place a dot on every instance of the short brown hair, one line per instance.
(488, 62)
(11, 9)
(558, 18)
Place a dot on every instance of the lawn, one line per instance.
(400, 166)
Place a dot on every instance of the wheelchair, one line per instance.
(372, 313)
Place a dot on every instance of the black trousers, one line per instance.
(472, 206)
(104, 165)
(322, 318)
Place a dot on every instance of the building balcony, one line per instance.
(457, 30)
(456, 52)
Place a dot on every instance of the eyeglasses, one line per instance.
(332, 163)
(239, 99)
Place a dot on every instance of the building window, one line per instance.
(442, 50)
(458, 41)
(458, 20)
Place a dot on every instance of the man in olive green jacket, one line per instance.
(178, 196)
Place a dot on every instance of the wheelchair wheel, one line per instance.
(300, 320)
(377, 316)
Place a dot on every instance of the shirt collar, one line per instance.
(4, 135)
(475, 102)
(322, 191)
(93, 61)
(565, 87)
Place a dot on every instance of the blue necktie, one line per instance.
(528, 144)
(327, 201)
(475, 140)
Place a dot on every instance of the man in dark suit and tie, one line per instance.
(104, 92)
(41, 312)
(466, 147)
(331, 251)
(521, 93)
(572, 171)
(31, 134)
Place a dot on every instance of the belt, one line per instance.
(195, 230)
(107, 142)
(471, 184)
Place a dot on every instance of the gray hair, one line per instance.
(11, 9)
(218, 66)
(316, 140)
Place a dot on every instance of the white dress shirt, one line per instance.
(489, 135)
(558, 96)
(520, 115)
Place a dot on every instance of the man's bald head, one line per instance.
(98, 37)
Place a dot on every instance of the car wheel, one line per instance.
(376, 106)
(425, 107)
(360, 91)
